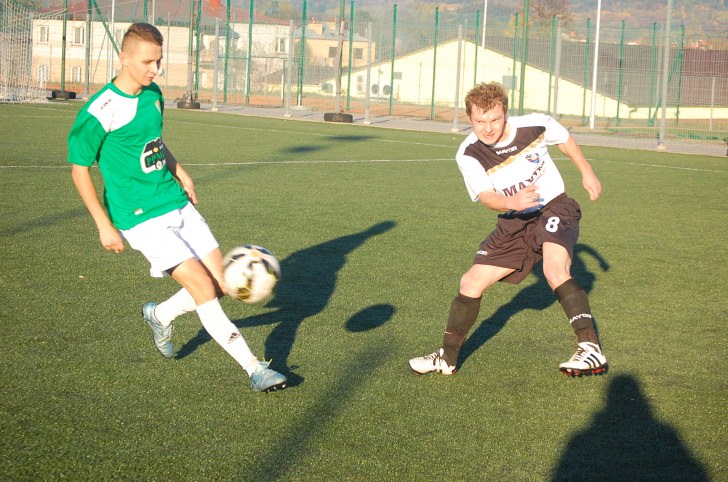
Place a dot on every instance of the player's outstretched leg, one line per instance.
(162, 334)
(588, 360)
(264, 379)
(434, 362)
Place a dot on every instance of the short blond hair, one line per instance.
(485, 97)
(142, 32)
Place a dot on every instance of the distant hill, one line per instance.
(699, 17)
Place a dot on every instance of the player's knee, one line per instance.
(471, 286)
(198, 283)
(556, 277)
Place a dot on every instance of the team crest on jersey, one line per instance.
(153, 156)
(533, 157)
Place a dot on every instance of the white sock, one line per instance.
(178, 304)
(226, 334)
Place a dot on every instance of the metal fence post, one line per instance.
(621, 73)
(248, 61)
(394, 49)
(63, 46)
(681, 59)
(477, 44)
(665, 69)
(653, 55)
(551, 60)
(302, 57)
(597, 41)
(197, 49)
(457, 81)
(557, 70)
(87, 59)
(351, 50)
(587, 47)
(368, 84)
(515, 56)
(524, 56)
(215, 71)
(434, 63)
(289, 69)
(227, 54)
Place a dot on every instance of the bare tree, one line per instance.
(545, 9)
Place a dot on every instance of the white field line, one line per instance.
(253, 163)
(310, 134)
(656, 166)
(370, 161)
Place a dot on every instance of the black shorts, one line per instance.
(517, 241)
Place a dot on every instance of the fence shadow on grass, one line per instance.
(626, 442)
(308, 281)
(326, 143)
(537, 296)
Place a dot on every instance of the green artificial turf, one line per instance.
(373, 229)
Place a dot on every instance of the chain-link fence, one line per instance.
(633, 81)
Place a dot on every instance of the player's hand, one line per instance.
(111, 240)
(189, 188)
(592, 185)
(526, 198)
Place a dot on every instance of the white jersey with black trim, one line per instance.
(519, 161)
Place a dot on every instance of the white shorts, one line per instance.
(172, 238)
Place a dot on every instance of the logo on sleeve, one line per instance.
(153, 156)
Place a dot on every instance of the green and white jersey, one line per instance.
(123, 133)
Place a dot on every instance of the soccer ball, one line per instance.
(251, 273)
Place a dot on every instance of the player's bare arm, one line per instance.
(181, 175)
(524, 199)
(588, 179)
(108, 234)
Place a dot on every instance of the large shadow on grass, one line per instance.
(275, 461)
(626, 442)
(537, 296)
(43, 222)
(307, 283)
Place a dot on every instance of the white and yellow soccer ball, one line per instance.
(251, 273)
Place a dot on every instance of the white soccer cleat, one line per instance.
(434, 362)
(588, 360)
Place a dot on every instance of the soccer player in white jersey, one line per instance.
(506, 166)
(149, 200)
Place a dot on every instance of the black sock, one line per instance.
(463, 313)
(575, 303)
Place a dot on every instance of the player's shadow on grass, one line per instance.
(308, 280)
(327, 143)
(537, 296)
(626, 442)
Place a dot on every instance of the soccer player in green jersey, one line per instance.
(149, 201)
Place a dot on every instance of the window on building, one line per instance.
(332, 52)
(76, 74)
(44, 34)
(358, 54)
(281, 45)
(119, 36)
(79, 36)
